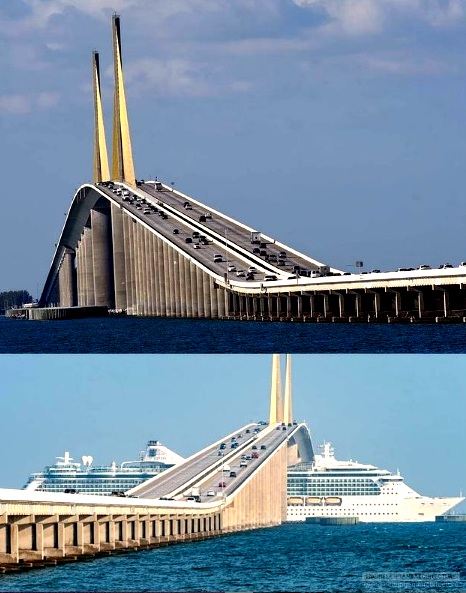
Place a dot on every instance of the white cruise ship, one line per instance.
(331, 488)
(67, 475)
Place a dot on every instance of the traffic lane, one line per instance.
(209, 465)
(244, 259)
(163, 480)
(204, 253)
(238, 235)
(227, 233)
(271, 440)
(183, 474)
(177, 479)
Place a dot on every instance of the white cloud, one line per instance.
(405, 65)
(21, 104)
(47, 100)
(178, 77)
(15, 104)
(362, 17)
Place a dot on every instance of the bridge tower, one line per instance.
(101, 168)
(276, 407)
(287, 409)
(122, 165)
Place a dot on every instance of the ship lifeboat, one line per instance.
(314, 501)
(334, 501)
(295, 500)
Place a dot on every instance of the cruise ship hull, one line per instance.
(385, 509)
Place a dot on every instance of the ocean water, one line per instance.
(292, 557)
(151, 335)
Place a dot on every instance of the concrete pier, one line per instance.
(57, 313)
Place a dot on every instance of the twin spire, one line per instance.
(279, 411)
(122, 165)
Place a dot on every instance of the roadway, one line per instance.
(222, 235)
(232, 241)
(209, 470)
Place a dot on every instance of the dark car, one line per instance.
(188, 240)
(232, 474)
(263, 447)
(176, 231)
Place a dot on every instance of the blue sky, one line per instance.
(393, 411)
(336, 126)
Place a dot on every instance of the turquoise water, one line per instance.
(149, 335)
(292, 557)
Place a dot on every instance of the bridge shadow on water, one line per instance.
(151, 335)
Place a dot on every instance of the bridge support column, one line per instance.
(170, 312)
(376, 304)
(254, 306)
(206, 290)
(419, 300)
(247, 306)
(143, 297)
(200, 293)
(213, 299)
(151, 253)
(446, 301)
(182, 283)
(188, 287)
(118, 243)
(162, 308)
(300, 306)
(288, 306)
(221, 302)
(102, 257)
(146, 278)
(397, 302)
(175, 276)
(193, 289)
(89, 267)
(79, 273)
(67, 280)
(129, 262)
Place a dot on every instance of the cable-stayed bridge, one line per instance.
(238, 482)
(145, 248)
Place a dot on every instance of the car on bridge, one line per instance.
(222, 485)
